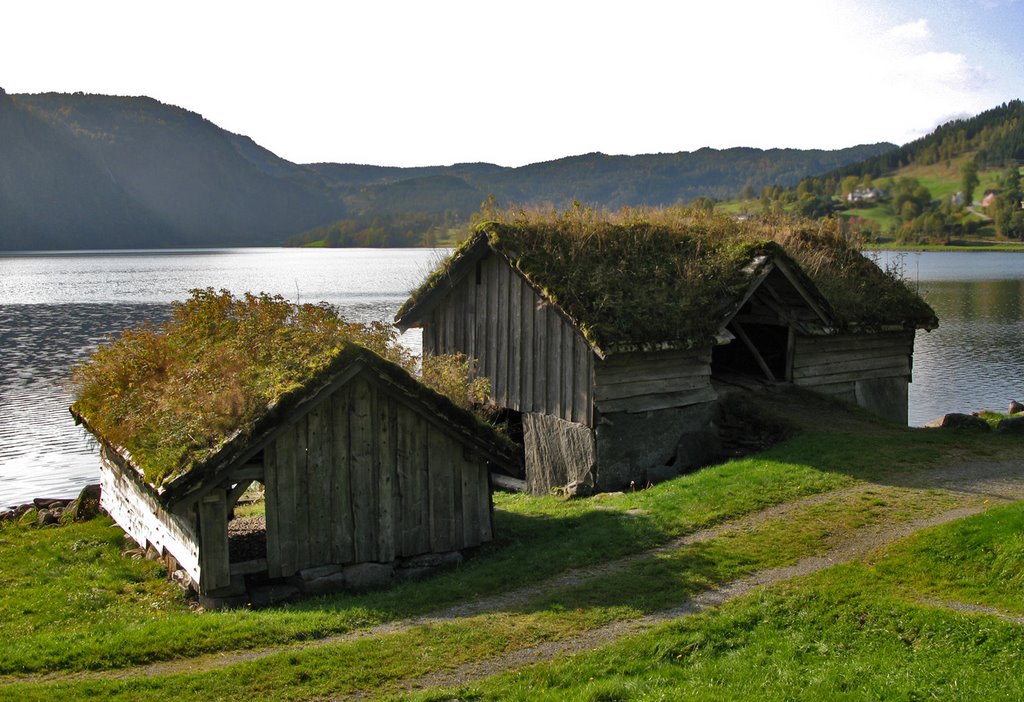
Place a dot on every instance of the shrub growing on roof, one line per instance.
(172, 395)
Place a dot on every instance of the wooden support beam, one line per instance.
(738, 328)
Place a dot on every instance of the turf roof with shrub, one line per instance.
(669, 276)
(172, 397)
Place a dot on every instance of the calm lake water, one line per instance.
(55, 308)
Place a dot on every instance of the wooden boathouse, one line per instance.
(609, 341)
(366, 473)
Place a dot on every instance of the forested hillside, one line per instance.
(959, 182)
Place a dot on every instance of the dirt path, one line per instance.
(980, 484)
(857, 547)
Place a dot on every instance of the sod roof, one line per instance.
(188, 398)
(669, 278)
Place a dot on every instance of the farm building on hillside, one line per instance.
(605, 339)
(365, 471)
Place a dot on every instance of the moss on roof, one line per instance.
(175, 398)
(667, 276)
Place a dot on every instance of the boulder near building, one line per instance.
(605, 339)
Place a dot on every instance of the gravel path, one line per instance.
(980, 484)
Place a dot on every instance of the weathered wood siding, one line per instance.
(871, 370)
(365, 477)
(143, 518)
(537, 361)
(649, 381)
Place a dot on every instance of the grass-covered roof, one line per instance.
(176, 398)
(668, 276)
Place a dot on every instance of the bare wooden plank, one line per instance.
(479, 291)
(811, 355)
(405, 522)
(385, 469)
(459, 323)
(649, 365)
(468, 291)
(553, 403)
(540, 357)
(284, 448)
(318, 469)
(898, 365)
(419, 459)
(441, 492)
(213, 537)
(486, 505)
(650, 403)
(456, 452)
(430, 334)
(304, 524)
(469, 474)
(618, 391)
(526, 343)
(851, 376)
(342, 548)
(448, 343)
(501, 375)
(493, 273)
(807, 360)
(582, 381)
(514, 347)
(270, 502)
(568, 392)
(846, 342)
(364, 484)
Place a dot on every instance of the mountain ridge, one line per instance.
(84, 171)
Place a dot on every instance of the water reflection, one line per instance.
(973, 361)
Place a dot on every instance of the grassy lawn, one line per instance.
(70, 602)
(850, 632)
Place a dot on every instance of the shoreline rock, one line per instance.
(47, 511)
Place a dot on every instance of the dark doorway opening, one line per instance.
(757, 351)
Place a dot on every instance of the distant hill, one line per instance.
(594, 179)
(93, 171)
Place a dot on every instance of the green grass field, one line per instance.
(70, 603)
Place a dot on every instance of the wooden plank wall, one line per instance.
(537, 361)
(363, 477)
(832, 364)
(647, 381)
(143, 518)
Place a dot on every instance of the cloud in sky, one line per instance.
(917, 30)
(407, 83)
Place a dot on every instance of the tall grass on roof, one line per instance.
(664, 275)
(172, 394)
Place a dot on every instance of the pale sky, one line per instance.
(429, 83)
